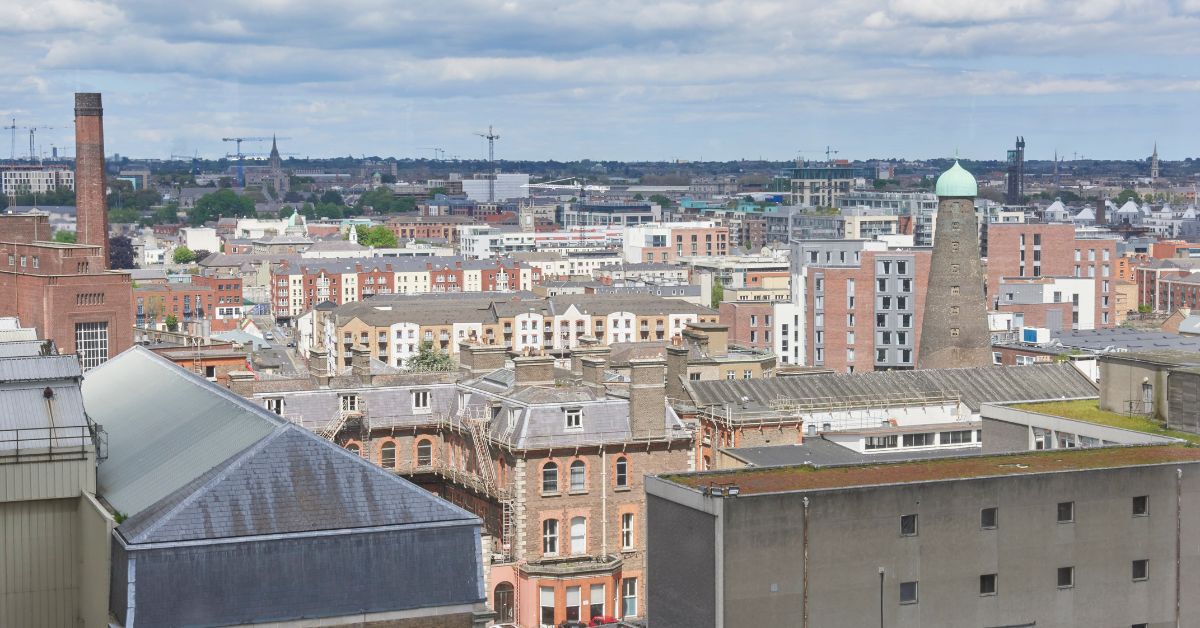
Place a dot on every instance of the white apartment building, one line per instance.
(35, 181)
(508, 186)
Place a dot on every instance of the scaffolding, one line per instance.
(795, 410)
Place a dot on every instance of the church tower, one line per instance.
(954, 329)
(278, 178)
(1154, 164)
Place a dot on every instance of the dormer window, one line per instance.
(574, 417)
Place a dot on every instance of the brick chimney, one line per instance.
(534, 370)
(647, 398)
(589, 346)
(475, 360)
(360, 363)
(318, 364)
(593, 373)
(709, 338)
(91, 201)
(1101, 206)
(677, 372)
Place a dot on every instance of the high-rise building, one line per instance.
(955, 326)
(1016, 174)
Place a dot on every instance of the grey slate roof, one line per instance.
(291, 481)
(389, 406)
(23, 405)
(1128, 339)
(974, 386)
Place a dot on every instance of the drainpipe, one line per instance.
(804, 543)
(604, 501)
(881, 597)
(1178, 537)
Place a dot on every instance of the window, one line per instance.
(987, 584)
(908, 525)
(956, 437)
(578, 476)
(578, 535)
(546, 601)
(747, 374)
(997, 358)
(629, 597)
(91, 343)
(730, 375)
(420, 400)
(1141, 570)
(387, 455)
(627, 531)
(550, 478)
(550, 537)
(1066, 577)
(881, 442)
(424, 452)
(573, 603)
(349, 403)
(574, 418)
(918, 440)
(621, 477)
(503, 599)
(987, 518)
(1066, 512)
(596, 601)
(354, 449)
(1141, 506)
(908, 592)
(274, 404)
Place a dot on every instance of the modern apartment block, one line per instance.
(670, 241)
(1026, 250)
(822, 185)
(213, 304)
(856, 306)
(1059, 539)
(17, 179)
(1056, 303)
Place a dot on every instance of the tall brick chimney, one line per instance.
(91, 202)
(677, 371)
(534, 370)
(647, 398)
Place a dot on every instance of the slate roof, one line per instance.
(974, 386)
(23, 406)
(290, 481)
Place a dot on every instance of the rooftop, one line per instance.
(1089, 410)
(811, 478)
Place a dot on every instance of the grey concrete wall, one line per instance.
(681, 544)
(855, 532)
(311, 577)
(95, 534)
(1183, 400)
(1002, 437)
(1121, 382)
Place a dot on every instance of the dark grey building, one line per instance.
(1060, 539)
(231, 515)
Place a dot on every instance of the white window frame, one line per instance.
(422, 402)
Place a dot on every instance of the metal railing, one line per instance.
(40, 444)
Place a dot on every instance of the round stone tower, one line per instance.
(954, 327)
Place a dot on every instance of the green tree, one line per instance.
(1127, 195)
(183, 255)
(219, 204)
(333, 196)
(124, 215)
(378, 236)
(639, 197)
(430, 358)
(718, 294)
(120, 253)
(662, 201)
(166, 215)
(172, 322)
(66, 237)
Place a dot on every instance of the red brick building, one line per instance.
(750, 323)
(63, 291)
(427, 227)
(1036, 250)
(215, 300)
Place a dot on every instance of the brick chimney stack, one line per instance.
(647, 398)
(91, 203)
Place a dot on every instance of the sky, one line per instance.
(611, 79)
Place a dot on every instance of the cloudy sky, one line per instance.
(613, 79)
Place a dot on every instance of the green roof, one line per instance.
(957, 182)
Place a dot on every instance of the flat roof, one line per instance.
(808, 478)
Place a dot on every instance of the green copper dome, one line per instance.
(957, 182)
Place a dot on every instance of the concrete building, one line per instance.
(668, 242)
(506, 185)
(822, 185)
(1082, 537)
(16, 180)
(1163, 384)
(609, 213)
(954, 329)
(1055, 303)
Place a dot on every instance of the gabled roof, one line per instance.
(1087, 213)
(1128, 208)
(291, 481)
(974, 386)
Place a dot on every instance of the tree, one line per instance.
(662, 201)
(201, 254)
(172, 322)
(333, 196)
(3, 202)
(378, 236)
(639, 197)
(387, 177)
(183, 255)
(120, 253)
(718, 294)
(66, 237)
(1125, 196)
(165, 215)
(430, 358)
(222, 203)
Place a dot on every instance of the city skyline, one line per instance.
(625, 81)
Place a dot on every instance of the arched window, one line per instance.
(550, 478)
(503, 599)
(424, 452)
(622, 474)
(578, 535)
(354, 449)
(578, 476)
(387, 455)
(550, 537)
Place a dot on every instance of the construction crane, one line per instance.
(239, 155)
(491, 137)
(32, 133)
(829, 153)
(194, 158)
(13, 148)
